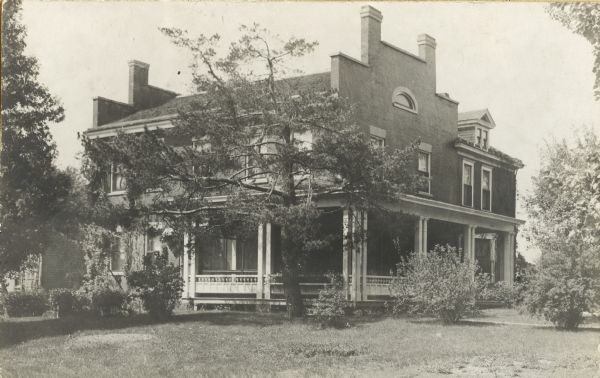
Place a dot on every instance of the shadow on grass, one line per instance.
(14, 331)
(483, 323)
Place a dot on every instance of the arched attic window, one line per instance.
(404, 99)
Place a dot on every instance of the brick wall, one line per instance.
(371, 88)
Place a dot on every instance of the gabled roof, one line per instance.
(481, 116)
(319, 82)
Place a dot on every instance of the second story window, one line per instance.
(467, 184)
(203, 148)
(116, 179)
(424, 169)
(486, 189)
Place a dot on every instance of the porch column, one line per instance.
(469, 241)
(421, 236)
(346, 245)
(192, 283)
(364, 256)
(493, 257)
(509, 252)
(260, 263)
(186, 266)
(355, 250)
(268, 269)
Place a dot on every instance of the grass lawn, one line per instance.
(254, 344)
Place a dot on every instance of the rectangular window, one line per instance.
(479, 136)
(486, 189)
(204, 148)
(118, 183)
(484, 141)
(153, 243)
(304, 141)
(467, 184)
(424, 169)
(226, 255)
(377, 142)
(118, 256)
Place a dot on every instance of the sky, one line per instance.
(534, 75)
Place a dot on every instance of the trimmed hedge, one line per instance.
(25, 303)
(109, 302)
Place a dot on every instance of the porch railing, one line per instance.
(248, 284)
(226, 283)
(378, 285)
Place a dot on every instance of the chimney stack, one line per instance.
(427, 52)
(138, 80)
(370, 33)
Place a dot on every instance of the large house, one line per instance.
(469, 200)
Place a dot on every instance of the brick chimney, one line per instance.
(370, 33)
(427, 52)
(138, 81)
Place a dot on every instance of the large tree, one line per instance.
(31, 188)
(584, 19)
(564, 222)
(271, 145)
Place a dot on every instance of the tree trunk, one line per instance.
(293, 295)
(291, 277)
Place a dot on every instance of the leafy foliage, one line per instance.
(25, 303)
(582, 18)
(564, 213)
(499, 292)
(158, 284)
(31, 188)
(267, 143)
(63, 301)
(330, 307)
(109, 302)
(437, 284)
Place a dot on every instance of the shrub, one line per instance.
(330, 307)
(25, 303)
(437, 284)
(109, 302)
(500, 292)
(561, 300)
(158, 284)
(63, 301)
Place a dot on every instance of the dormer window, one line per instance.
(482, 138)
(475, 127)
(403, 98)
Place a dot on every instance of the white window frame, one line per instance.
(403, 91)
(110, 261)
(486, 169)
(110, 183)
(428, 154)
(377, 141)
(485, 142)
(462, 182)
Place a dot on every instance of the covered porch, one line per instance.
(366, 257)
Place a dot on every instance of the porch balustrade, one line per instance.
(248, 284)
